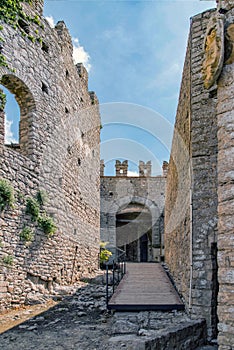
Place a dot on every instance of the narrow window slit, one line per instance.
(45, 47)
(44, 88)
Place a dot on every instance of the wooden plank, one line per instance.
(145, 286)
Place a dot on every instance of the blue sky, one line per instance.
(134, 51)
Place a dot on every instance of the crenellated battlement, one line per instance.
(121, 168)
(64, 36)
(144, 168)
(83, 74)
(165, 168)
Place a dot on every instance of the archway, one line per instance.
(10, 117)
(27, 106)
(134, 232)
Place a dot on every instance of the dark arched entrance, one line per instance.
(134, 232)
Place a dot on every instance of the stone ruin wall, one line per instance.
(120, 190)
(177, 199)
(193, 156)
(58, 152)
(204, 121)
(225, 125)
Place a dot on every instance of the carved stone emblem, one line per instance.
(213, 51)
(229, 54)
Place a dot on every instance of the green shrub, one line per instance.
(27, 234)
(46, 223)
(6, 194)
(32, 208)
(105, 254)
(8, 259)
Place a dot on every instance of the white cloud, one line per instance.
(50, 20)
(9, 136)
(80, 55)
(133, 173)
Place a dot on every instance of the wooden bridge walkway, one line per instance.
(145, 286)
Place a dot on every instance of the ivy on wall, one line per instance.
(34, 208)
(11, 13)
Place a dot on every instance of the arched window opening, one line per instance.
(16, 126)
(10, 117)
(134, 232)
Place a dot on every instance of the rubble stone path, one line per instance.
(81, 322)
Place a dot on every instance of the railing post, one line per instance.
(113, 271)
(119, 262)
(107, 296)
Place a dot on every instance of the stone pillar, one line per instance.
(121, 169)
(102, 166)
(144, 169)
(165, 168)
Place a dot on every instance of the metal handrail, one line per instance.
(117, 264)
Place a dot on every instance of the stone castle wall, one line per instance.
(203, 133)
(177, 198)
(225, 124)
(117, 192)
(58, 153)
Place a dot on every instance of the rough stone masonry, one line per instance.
(132, 211)
(58, 153)
(199, 204)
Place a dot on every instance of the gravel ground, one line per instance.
(81, 322)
